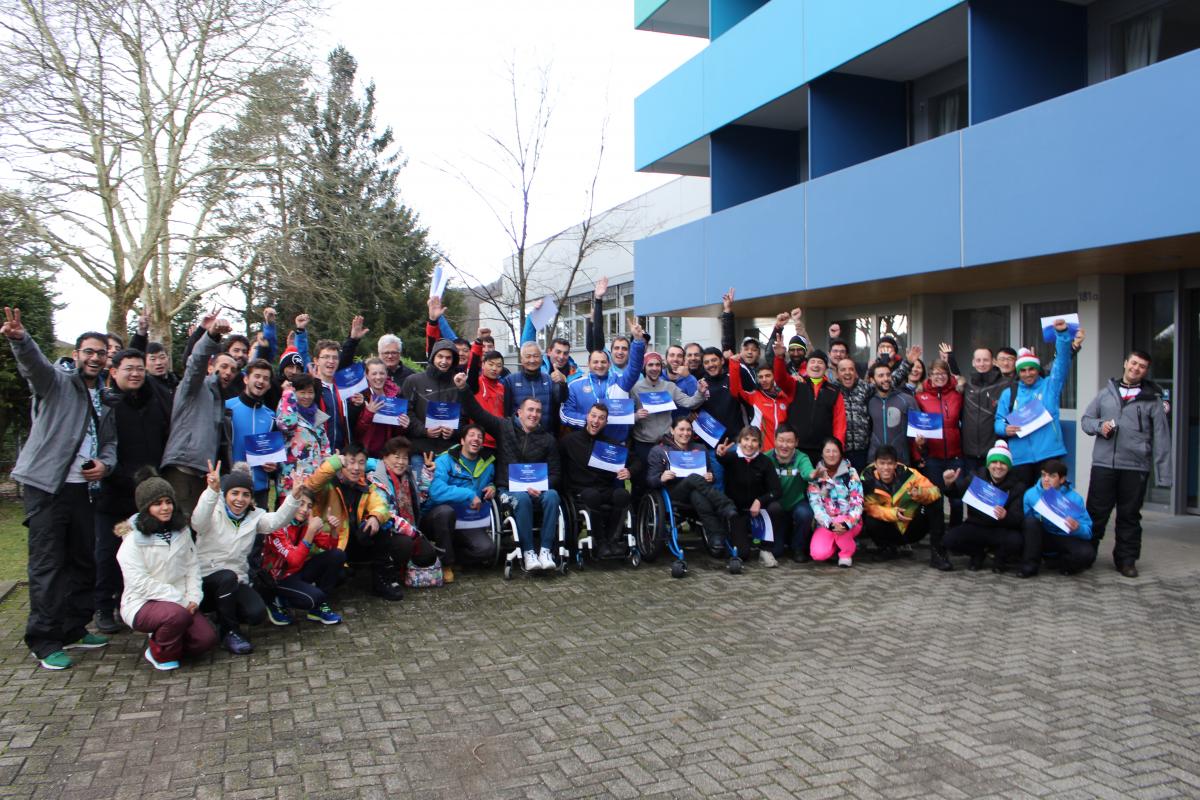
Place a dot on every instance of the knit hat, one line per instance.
(290, 358)
(1000, 452)
(1027, 358)
(887, 338)
(238, 478)
(651, 355)
(819, 353)
(798, 341)
(150, 491)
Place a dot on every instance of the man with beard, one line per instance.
(600, 491)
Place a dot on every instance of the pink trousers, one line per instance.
(825, 543)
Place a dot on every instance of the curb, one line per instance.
(6, 588)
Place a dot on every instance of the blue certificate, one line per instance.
(928, 426)
(984, 497)
(620, 410)
(687, 462)
(1048, 332)
(654, 402)
(265, 448)
(1057, 507)
(1029, 417)
(351, 380)
(761, 529)
(608, 457)
(441, 415)
(708, 429)
(390, 412)
(467, 517)
(522, 477)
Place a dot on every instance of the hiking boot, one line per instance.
(389, 588)
(447, 573)
(107, 622)
(939, 560)
(1128, 570)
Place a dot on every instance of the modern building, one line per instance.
(609, 254)
(946, 171)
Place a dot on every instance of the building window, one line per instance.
(895, 325)
(856, 332)
(979, 327)
(577, 313)
(1160, 33)
(948, 111)
(665, 331)
(1031, 336)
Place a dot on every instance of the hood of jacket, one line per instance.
(439, 346)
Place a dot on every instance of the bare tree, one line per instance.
(107, 108)
(533, 270)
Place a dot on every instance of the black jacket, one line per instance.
(514, 445)
(721, 404)
(429, 386)
(1014, 508)
(811, 415)
(576, 452)
(747, 481)
(143, 421)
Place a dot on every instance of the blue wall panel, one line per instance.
(1023, 52)
(747, 162)
(667, 110)
(896, 215)
(836, 31)
(724, 14)
(757, 246)
(1116, 162)
(852, 119)
(668, 268)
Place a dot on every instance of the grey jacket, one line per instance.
(1142, 433)
(889, 422)
(655, 426)
(198, 416)
(60, 421)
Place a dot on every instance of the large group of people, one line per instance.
(248, 489)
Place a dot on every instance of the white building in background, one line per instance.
(672, 204)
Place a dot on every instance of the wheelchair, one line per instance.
(487, 553)
(508, 524)
(581, 531)
(659, 519)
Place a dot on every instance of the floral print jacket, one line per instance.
(307, 444)
(837, 498)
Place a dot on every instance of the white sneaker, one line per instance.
(767, 559)
(531, 561)
(844, 561)
(545, 560)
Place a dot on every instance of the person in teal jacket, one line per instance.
(462, 480)
(1072, 544)
(1047, 441)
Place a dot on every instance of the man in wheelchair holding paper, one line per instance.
(594, 472)
(527, 472)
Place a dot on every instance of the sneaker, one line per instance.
(845, 561)
(531, 561)
(767, 559)
(107, 622)
(546, 561)
(160, 665)
(389, 589)
(237, 644)
(324, 615)
(1128, 570)
(278, 615)
(976, 563)
(904, 551)
(56, 660)
(447, 574)
(90, 641)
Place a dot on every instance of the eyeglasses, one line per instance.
(132, 370)
(389, 353)
(88, 352)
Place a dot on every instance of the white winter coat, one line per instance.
(222, 543)
(157, 570)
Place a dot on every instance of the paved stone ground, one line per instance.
(887, 680)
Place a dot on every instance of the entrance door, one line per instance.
(1154, 331)
(1192, 434)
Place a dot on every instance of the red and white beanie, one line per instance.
(1027, 358)
(1000, 452)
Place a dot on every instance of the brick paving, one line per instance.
(887, 680)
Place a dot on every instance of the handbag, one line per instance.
(423, 577)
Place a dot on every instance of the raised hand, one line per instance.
(537, 304)
(143, 325)
(358, 328)
(302, 321)
(356, 399)
(950, 476)
(601, 288)
(482, 333)
(13, 329)
(797, 315)
(213, 477)
(913, 354)
(460, 380)
(777, 346)
(944, 350)
(781, 319)
(374, 405)
(727, 300)
(220, 327)
(635, 328)
(436, 309)
(1079, 337)
(723, 448)
(269, 315)
(835, 331)
(429, 459)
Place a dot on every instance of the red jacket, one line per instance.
(367, 432)
(283, 552)
(948, 402)
(770, 411)
(488, 393)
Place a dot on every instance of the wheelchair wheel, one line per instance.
(679, 569)
(635, 558)
(651, 527)
(497, 531)
(735, 566)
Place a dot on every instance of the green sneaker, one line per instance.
(56, 660)
(90, 641)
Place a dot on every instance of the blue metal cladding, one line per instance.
(1115, 162)
(725, 14)
(852, 119)
(747, 162)
(1023, 52)
(778, 48)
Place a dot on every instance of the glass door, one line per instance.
(1192, 434)
(1154, 332)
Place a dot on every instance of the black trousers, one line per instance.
(711, 506)
(235, 603)
(393, 551)
(887, 534)
(109, 582)
(62, 567)
(455, 546)
(311, 586)
(1125, 490)
(739, 527)
(972, 539)
(608, 509)
(1074, 554)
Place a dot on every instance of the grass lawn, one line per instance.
(13, 549)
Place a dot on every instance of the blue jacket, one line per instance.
(529, 334)
(1032, 495)
(1046, 441)
(518, 386)
(582, 394)
(457, 479)
(249, 420)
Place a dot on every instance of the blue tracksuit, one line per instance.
(1034, 493)
(585, 392)
(1046, 441)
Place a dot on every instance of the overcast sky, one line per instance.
(441, 82)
